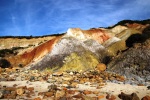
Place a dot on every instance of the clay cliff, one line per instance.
(32, 55)
(81, 50)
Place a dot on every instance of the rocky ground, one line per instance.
(28, 84)
(133, 63)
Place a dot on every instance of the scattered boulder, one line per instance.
(148, 87)
(78, 96)
(38, 98)
(59, 73)
(20, 91)
(49, 94)
(101, 67)
(146, 97)
(124, 96)
(86, 92)
(101, 96)
(52, 87)
(30, 89)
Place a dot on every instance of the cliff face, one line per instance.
(10, 42)
(34, 54)
(84, 49)
(134, 62)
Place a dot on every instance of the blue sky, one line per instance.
(45, 17)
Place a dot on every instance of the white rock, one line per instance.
(71, 73)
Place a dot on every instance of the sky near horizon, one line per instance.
(45, 17)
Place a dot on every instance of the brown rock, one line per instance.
(30, 89)
(95, 92)
(101, 84)
(58, 74)
(86, 92)
(49, 94)
(101, 67)
(107, 96)
(20, 91)
(65, 89)
(41, 93)
(124, 96)
(71, 91)
(140, 84)
(10, 88)
(100, 97)
(38, 98)
(23, 87)
(111, 78)
(112, 97)
(14, 85)
(52, 87)
(28, 95)
(82, 81)
(146, 97)
(77, 96)
(10, 96)
(5, 96)
(8, 70)
(120, 78)
(74, 84)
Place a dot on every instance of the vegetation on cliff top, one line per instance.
(123, 22)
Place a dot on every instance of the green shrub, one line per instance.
(5, 52)
(12, 51)
(4, 63)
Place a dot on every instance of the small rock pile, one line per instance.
(16, 92)
(97, 76)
